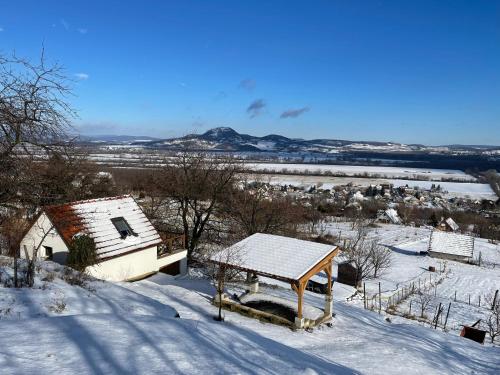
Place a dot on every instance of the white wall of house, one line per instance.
(43, 234)
(169, 259)
(126, 267)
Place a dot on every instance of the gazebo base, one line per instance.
(298, 323)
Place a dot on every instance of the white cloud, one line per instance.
(64, 23)
(82, 30)
(82, 76)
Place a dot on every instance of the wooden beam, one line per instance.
(320, 266)
(329, 271)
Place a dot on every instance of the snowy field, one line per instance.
(409, 268)
(353, 170)
(130, 328)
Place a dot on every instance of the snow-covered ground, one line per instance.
(353, 170)
(120, 328)
(409, 268)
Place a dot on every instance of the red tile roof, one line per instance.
(66, 221)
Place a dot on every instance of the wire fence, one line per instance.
(421, 285)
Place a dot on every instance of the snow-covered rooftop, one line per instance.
(393, 216)
(451, 223)
(94, 218)
(283, 257)
(451, 243)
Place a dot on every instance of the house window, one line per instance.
(49, 253)
(122, 227)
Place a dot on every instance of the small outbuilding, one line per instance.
(289, 260)
(348, 274)
(452, 246)
(448, 225)
(127, 245)
(389, 216)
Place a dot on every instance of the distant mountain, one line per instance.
(227, 139)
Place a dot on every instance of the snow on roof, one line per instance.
(451, 243)
(94, 218)
(284, 257)
(451, 223)
(393, 216)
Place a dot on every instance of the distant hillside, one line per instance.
(227, 139)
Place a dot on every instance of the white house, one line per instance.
(127, 244)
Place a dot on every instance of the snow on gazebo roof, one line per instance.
(451, 243)
(277, 256)
(94, 217)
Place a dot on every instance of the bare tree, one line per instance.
(358, 251)
(33, 104)
(44, 227)
(197, 183)
(380, 257)
(221, 267)
(424, 299)
(493, 320)
(253, 208)
(12, 230)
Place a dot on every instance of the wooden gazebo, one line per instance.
(289, 260)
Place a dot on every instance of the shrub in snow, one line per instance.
(82, 253)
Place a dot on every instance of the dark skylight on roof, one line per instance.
(122, 227)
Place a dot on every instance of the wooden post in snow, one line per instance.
(494, 300)
(437, 315)
(447, 314)
(364, 295)
(379, 298)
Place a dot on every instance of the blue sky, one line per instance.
(408, 71)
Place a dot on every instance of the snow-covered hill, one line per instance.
(227, 139)
(122, 328)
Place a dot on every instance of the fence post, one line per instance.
(479, 300)
(437, 315)
(494, 300)
(469, 299)
(379, 298)
(447, 313)
(364, 295)
(409, 313)
(455, 296)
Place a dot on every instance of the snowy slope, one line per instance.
(127, 328)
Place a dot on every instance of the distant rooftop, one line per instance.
(451, 243)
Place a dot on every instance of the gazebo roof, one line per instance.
(279, 257)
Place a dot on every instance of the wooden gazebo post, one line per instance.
(299, 288)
